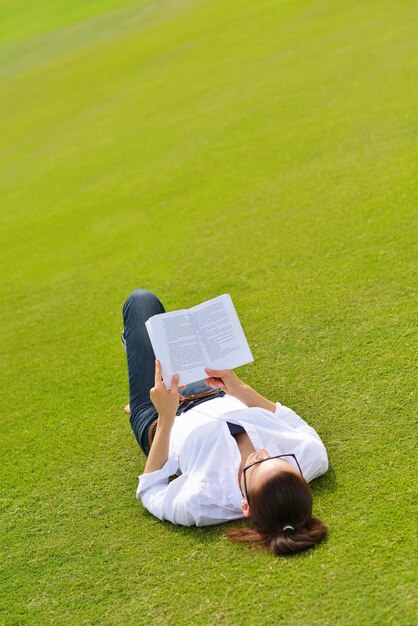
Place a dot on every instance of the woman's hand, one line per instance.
(166, 402)
(226, 380)
(233, 386)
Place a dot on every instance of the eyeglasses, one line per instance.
(278, 456)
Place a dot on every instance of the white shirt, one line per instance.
(206, 459)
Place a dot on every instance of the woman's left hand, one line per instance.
(165, 401)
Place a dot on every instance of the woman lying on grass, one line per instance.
(232, 452)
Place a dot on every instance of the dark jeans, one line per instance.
(138, 308)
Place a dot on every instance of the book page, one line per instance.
(176, 347)
(220, 334)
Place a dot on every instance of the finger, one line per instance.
(214, 382)
(175, 384)
(217, 373)
(158, 377)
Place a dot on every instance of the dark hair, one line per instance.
(283, 500)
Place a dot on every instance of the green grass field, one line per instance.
(264, 149)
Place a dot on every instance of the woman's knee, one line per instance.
(141, 299)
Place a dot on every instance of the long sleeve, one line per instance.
(176, 502)
(191, 501)
(310, 450)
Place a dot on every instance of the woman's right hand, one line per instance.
(165, 401)
(226, 380)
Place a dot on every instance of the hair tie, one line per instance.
(289, 528)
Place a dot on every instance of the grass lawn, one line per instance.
(264, 149)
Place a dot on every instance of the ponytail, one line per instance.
(281, 515)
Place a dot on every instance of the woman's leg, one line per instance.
(138, 308)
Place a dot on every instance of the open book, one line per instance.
(207, 335)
